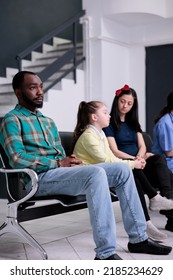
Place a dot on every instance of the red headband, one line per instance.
(125, 87)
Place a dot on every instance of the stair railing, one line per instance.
(69, 55)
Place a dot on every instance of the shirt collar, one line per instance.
(27, 112)
(101, 134)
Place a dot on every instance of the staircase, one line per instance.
(58, 58)
(40, 61)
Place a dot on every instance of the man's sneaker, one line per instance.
(160, 203)
(149, 247)
(112, 257)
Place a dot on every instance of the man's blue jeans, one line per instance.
(95, 181)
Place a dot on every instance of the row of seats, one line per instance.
(23, 206)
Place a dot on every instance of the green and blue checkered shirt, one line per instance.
(30, 140)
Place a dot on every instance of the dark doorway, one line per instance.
(159, 80)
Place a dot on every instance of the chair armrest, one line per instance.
(34, 180)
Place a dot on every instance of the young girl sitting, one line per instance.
(91, 146)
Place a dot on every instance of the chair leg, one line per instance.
(12, 225)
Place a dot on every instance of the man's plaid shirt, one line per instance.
(30, 140)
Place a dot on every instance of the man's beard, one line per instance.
(31, 102)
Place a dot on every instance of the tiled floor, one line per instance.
(69, 237)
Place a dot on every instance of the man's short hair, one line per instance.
(18, 79)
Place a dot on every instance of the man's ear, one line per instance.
(18, 93)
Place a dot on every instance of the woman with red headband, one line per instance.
(125, 138)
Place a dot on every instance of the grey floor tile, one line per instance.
(69, 236)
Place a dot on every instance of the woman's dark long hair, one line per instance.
(131, 117)
(167, 109)
(83, 117)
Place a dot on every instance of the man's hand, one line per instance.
(70, 161)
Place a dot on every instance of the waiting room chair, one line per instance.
(23, 206)
(19, 201)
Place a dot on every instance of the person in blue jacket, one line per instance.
(163, 132)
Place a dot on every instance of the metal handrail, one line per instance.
(50, 35)
(63, 75)
(64, 59)
(56, 65)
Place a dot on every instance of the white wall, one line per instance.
(115, 70)
(137, 79)
(119, 32)
(5, 108)
(103, 7)
(62, 105)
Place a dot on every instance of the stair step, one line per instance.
(57, 86)
(37, 67)
(3, 80)
(8, 99)
(6, 88)
(60, 52)
(41, 62)
(52, 55)
(44, 61)
(38, 62)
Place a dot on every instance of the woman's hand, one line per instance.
(139, 163)
(147, 155)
